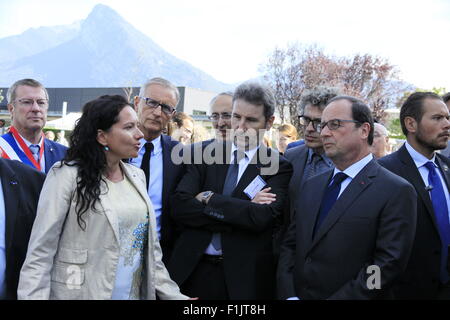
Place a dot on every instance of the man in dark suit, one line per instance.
(227, 204)
(20, 187)
(354, 225)
(425, 122)
(25, 141)
(155, 106)
(309, 159)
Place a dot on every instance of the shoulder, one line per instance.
(390, 180)
(168, 141)
(22, 169)
(56, 145)
(293, 153)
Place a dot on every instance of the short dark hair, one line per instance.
(360, 112)
(258, 94)
(446, 97)
(412, 107)
(318, 97)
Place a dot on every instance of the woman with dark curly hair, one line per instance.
(94, 236)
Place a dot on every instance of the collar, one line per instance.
(28, 143)
(157, 145)
(248, 153)
(324, 157)
(355, 168)
(418, 158)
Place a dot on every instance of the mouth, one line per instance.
(446, 135)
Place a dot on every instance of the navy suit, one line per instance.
(246, 228)
(372, 223)
(421, 278)
(53, 152)
(21, 186)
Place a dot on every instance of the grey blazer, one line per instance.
(65, 262)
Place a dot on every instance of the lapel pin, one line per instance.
(445, 167)
(13, 182)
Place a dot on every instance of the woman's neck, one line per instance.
(113, 171)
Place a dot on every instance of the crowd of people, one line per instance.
(139, 207)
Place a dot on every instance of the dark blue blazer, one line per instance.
(421, 278)
(53, 152)
(372, 223)
(21, 186)
(295, 144)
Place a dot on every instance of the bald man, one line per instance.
(380, 146)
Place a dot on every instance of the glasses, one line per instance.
(42, 103)
(223, 115)
(305, 121)
(169, 110)
(334, 124)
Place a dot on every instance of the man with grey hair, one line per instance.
(309, 160)
(221, 107)
(228, 208)
(155, 106)
(28, 103)
(380, 145)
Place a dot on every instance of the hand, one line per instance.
(264, 196)
(199, 196)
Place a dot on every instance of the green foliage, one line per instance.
(1, 96)
(395, 129)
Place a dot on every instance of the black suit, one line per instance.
(421, 279)
(172, 174)
(371, 223)
(21, 186)
(246, 228)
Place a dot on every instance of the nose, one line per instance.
(35, 107)
(139, 135)
(325, 132)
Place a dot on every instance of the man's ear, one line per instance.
(269, 122)
(410, 124)
(102, 138)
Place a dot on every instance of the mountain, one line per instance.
(101, 51)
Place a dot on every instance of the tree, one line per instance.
(292, 70)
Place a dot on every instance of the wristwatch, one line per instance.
(206, 195)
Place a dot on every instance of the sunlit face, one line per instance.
(249, 124)
(29, 109)
(222, 107)
(152, 121)
(283, 141)
(380, 141)
(185, 132)
(312, 137)
(344, 144)
(123, 137)
(433, 129)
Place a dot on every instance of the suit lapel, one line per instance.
(351, 193)
(413, 176)
(168, 170)
(444, 170)
(11, 188)
(319, 182)
(48, 154)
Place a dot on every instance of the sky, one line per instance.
(231, 39)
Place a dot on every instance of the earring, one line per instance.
(106, 148)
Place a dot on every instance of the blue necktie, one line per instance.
(228, 187)
(34, 148)
(329, 198)
(441, 212)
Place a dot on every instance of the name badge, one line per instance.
(254, 187)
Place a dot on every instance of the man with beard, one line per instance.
(424, 118)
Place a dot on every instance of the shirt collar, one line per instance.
(355, 168)
(323, 155)
(248, 153)
(418, 158)
(157, 145)
(28, 143)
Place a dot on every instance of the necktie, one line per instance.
(34, 148)
(329, 198)
(441, 212)
(145, 165)
(312, 168)
(228, 187)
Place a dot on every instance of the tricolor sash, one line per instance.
(11, 150)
